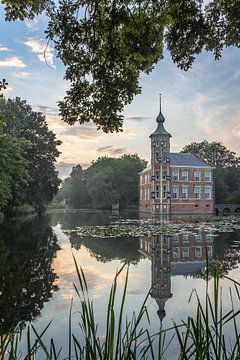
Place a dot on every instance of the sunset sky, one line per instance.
(203, 103)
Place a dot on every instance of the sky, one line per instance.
(202, 103)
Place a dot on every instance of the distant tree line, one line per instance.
(28, 152)
(106, 181)
(227, 168)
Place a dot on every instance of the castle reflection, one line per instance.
(180, 254)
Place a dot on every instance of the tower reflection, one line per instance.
(180, 254)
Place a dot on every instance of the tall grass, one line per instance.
(202, 336)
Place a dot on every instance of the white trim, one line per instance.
(192, 166)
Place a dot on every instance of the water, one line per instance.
(37, 271)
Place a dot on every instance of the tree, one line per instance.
(227, 164)
(106, 45)
(78, 196)
(30, 127)
(13, 167)
(106, 181)
(214, 153)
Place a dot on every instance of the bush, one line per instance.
(24, 209)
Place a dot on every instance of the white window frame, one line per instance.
(198, 235)
(185, 237)
(197, 192)
(197, 178)
(208, 193)
(209, 176)
(185, 178)
(198, 251)
(185, 251)
(209, 250)
(175, 193)
(185, 197)
(176, 252)
(175, 177)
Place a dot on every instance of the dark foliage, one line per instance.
(105, 45)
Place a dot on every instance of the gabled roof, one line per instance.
(187, 159)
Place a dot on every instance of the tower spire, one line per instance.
(160, 102)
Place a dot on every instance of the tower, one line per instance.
(161, 272)
(160, 166)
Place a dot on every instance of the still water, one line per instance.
(37, 271)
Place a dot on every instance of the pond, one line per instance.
(37, 270)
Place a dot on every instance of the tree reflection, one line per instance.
(27, 249)
(108, 249)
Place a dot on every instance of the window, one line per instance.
(197, 175)
(185, 237)
(207, 175)
(175, 175)
(208, 192)
(197, 192)
(198, 251)
(157, 191)
(175, 192)
(197, 235)
(176, 238)
(185, 175)
(209, 250)
(157, 175)
(176, 252)
(209, 236)
(164, 175)
(145, 194)
(156, 156)
(185, 192)
(185, 252)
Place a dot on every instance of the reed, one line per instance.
(202, 336)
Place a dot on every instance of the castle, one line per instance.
(175, 183)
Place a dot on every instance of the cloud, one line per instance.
(7, 91)
(2, 48)
(46, 110)
(111, 150)
(84, 132)
(43, 50)
(236, 131)
(32, 25)
(12, 61)
(138, 118)
(22, 74)
(236, 75)
(64, 169)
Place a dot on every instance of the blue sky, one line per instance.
(202, 103)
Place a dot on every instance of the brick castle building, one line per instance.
(176, 183)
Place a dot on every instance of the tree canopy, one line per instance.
(214, 153)
(105, 45)
(28, 153)
(106, 181)
(227, 172)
